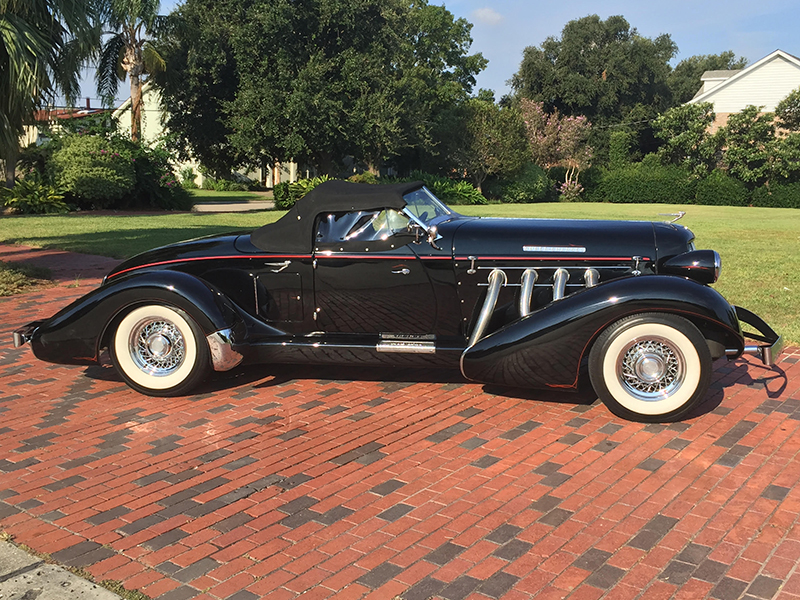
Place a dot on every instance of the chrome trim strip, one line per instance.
(223, 356)
(566, 249)
(406, 346)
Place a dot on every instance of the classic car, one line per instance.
(388, 275)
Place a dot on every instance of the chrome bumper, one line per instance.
(770, 350)
(223, 356)
(23, 335)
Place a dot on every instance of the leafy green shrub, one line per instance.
(32, 196)
(280, 194)
(365, 177)
(645, 182)
(188, 176)
(93, 171)
(286, 194)
(778, 196)
(224, 185)
(448, 190)
(720, 189)
(97, 172)
(531, 184)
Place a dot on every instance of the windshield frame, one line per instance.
(440, 210)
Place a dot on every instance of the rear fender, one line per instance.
(76, 334)
(545, 348)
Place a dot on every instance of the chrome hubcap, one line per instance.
(157, 347)
(651, 369)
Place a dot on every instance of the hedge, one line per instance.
(644, 183)
(777, 196)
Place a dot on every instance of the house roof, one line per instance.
(703, 95)
(61, 114)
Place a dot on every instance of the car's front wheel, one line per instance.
(160, 351)
(650, 367)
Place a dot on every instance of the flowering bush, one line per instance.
(98, 172)
(91, 171)
(570, 191)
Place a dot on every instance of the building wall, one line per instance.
(764, 86)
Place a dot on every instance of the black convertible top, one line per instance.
(293, 232)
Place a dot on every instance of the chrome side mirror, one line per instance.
(416, 230)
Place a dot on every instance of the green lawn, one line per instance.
(760, 247)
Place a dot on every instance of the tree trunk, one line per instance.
(10, 164)
(136, 107)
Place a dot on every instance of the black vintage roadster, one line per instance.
(389, 275)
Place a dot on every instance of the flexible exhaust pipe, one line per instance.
(529, 277)
(497, 279)
(591, 277)
(560, 283)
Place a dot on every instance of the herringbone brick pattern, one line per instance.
(274, 482)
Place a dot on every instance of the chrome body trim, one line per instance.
(406, 346)
(560, 283)
(497, 279)
(528, 280)
(223, 356)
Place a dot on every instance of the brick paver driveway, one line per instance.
(335, 483)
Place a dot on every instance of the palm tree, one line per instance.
(127, 53)
(43, 44)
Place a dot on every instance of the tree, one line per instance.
(749, 145)
(317, 80)
(603, 70)
(684, 80)
(556, 140)
(492, 141)
(42, 47)
(788, 111)
(128, 53)
(686, 139)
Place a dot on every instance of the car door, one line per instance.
(367, 277)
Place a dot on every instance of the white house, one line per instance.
(764, 83)
(153, 128)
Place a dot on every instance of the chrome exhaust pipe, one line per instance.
(591, 277)
(560, 283)
(529, 277)
(497, 279)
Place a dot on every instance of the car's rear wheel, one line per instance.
(160, 351)
(650, 367)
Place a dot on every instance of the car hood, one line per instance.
(554, 238)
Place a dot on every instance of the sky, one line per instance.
(502, 29)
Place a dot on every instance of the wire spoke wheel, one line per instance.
(650, 367)
(160, 350)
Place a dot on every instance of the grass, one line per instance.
(17, 278)
(760, 247)
(204, 196)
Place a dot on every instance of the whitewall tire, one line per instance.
(651, 367)
(160, 351)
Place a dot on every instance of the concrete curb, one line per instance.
(23, 577)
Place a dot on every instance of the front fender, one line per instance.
(75, 334)
(545, 348)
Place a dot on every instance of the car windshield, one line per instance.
(424, 206)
